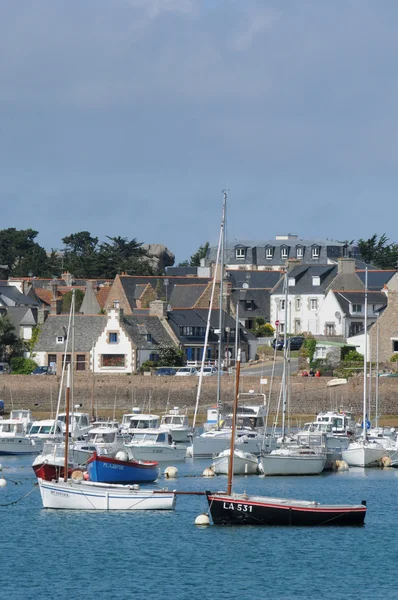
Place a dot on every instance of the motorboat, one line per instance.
(78, 494)
(154, 445)
(45, 430)
(241, 509)
(177, 424)
(13, 439)
(250, 423)
(79, 424)
(120, 469)
(140, 423)
(50, 463)
(107, 440)
(244, 463)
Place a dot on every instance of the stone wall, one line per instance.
(308, 395)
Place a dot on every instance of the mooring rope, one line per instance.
(23, 497)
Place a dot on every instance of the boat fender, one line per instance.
(77, 476)
(171, 472)
(386, 461)
(86, 476)
(3, 482)
(208, 472)
(121, 455)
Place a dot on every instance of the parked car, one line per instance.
(294, 342)
(207, 371)
(42, 371)
(165, 371)
(4, 368)
(186, 371)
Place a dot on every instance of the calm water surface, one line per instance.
(67, 554)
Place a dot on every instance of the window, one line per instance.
(187, 330)
(297, 326)
(281, 328)
(112, 360)
(357, 308)
(313, 304)
(67, 361)
(316, 280)
(315, 252)
(282, 304)
(284, 252)
(395, 345)
(249, 305)
(149, 337)
(299, 252)
(60, 339)
(52, 360)
(269, 253)
(80, 362)
(329, 329)
(291, 281)
(298, 303)
(240, 252)
(116, 304)
(113, 338)
(356, 328)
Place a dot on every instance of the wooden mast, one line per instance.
(67, 409)
(235, 410)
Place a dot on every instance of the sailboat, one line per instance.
(228, 508)
(364, 452)
(291, 458)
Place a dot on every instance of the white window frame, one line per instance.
(315, 252)
(356, 311)
(313, 304)
(60, 339)
(299, 252)
(298, 304)
(282, 304)
(284, 252)
(269, 253)
(240, 253)
(316, 280)
(332, 327)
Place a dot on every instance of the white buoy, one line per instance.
(3, 482)
(171, 472)
(208, 472)
(202, 519)
(121, 455)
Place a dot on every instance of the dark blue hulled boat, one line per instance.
(104, 469)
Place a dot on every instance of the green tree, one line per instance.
(262, 328)
(20, 254)
(67, 300)
(120, 255)
(22, 366)
(378, 252)
(9, 343)
(195, 259)
(81, 254)
(169, 356)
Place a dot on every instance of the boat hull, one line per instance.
(157, 453)
(364, 456)
(49, 471)
(105, 469)
(235, 510)
(244, 464)
(96, 496)
(208, 446)
(13, 446)
(292, 465)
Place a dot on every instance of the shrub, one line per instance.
(22, 366)
(264, 351)
(148, 365)
(394, 358)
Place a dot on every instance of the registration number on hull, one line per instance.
(238, 507)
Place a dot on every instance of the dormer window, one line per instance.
(240, 253)
(316, 280)
(315, 252)
(149, 337)
(299, 252)
(113, 337)
(284, 252)
(60, 339)
(116, 304)
(291, 281)
(269, 253)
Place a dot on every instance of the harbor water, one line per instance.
(162, 555)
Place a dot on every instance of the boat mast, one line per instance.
(284, 375)
(377, 371)
(233, 430)
(221, 320)
(365, 357)
(67, 406)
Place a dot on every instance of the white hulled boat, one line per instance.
(293, 460)
(153, 445)
(13, 439)
(364, 453)
(244, 463)
(177, 424)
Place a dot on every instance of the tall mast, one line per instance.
(221, 320)
(365, 357)
(284, 375)
(67, 407)
(233, 430)
(377, 371)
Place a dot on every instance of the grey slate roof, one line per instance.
(303, 275)
(376, 278)
(88, 328)
(90, 304)
(257, 299)
(347, 298)
(255, 251)
(139, 326)
(186, 296)
(198, 318)
(253, 279)
(129, 284)
(11, 296)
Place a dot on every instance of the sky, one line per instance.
(128, 118)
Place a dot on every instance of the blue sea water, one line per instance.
(162, 555)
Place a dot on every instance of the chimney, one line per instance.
(41, 315)
(68, 278)
(346, 266)
(158, 308)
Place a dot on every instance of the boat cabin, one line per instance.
(144, 421)
(152, 437)
(11, 428)
(41, 429)
(341, 422)
(79, 423)
(174, 420)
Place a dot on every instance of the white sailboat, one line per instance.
(245, 463)
(292, 458)
(364, 452)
